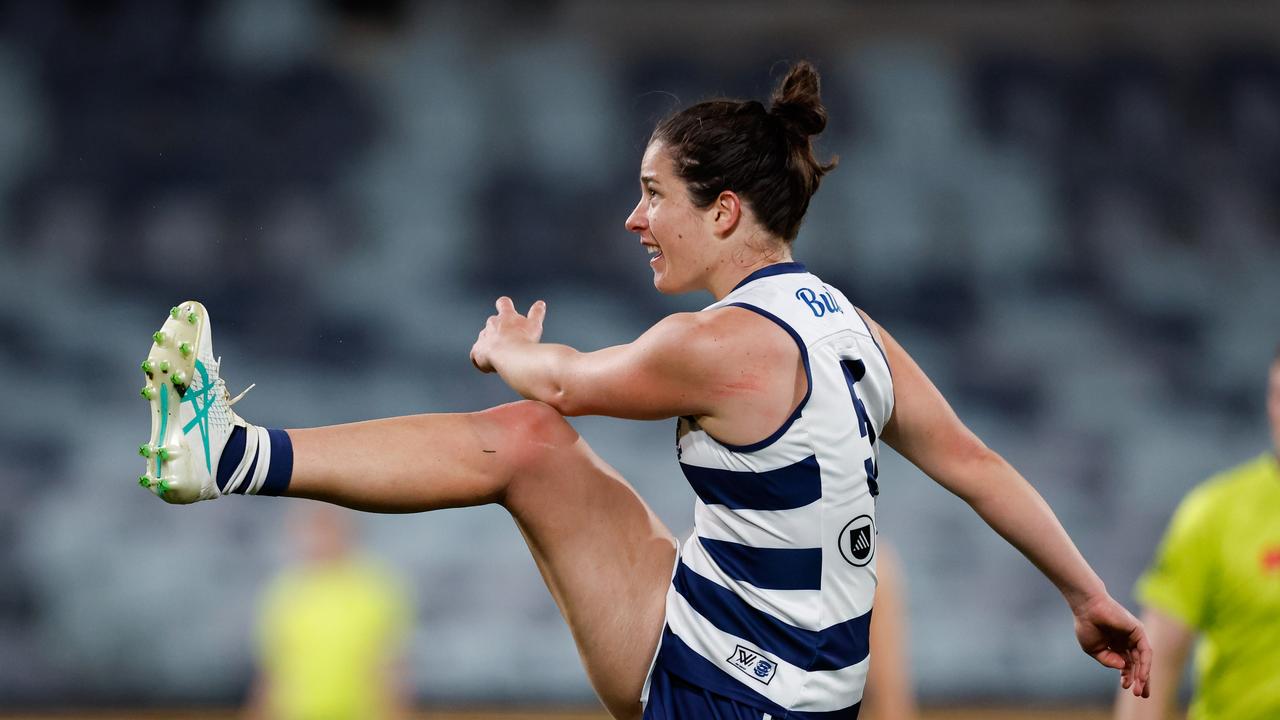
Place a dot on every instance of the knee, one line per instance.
(533, 433)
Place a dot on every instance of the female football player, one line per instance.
(783, 391)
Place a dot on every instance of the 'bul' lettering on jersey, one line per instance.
(819, 303)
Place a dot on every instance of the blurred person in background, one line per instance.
(331, 630)
(1216, 580)
(889, 694)
(764, 612)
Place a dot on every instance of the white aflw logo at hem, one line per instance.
(756, 666)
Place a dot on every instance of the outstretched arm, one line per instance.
(927, 432)
(663, 363)
(677, 367)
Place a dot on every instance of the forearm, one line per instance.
(1013, 508)
(536, 370)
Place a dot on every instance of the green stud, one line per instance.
(163, 454)
(173, 312)
(180, 378)
(144, 481)
(159, 336)
(148, 366)
(185, 349)
(148, 392)
(191, 317)
(164, 366)
(164, 486)
(144, 450)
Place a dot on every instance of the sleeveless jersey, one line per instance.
(770, 603)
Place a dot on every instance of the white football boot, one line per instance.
(191, 416)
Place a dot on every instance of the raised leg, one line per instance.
(605, 557)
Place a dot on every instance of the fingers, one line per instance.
(1111, 659)
(1143, 655)
(1133, 679)
(538, 311)
(506, 306)
(1132, 658)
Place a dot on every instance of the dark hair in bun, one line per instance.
(765, 156)
(796, 102)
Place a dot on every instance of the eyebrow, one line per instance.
(647, 179)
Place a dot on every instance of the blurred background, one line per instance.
(1066, 211)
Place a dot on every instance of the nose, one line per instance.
(637, 221)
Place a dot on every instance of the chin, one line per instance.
(664, 286)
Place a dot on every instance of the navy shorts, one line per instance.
(671, 698)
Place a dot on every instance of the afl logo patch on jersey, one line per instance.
(858, 541)
(756, 666)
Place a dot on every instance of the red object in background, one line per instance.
(1271, 559)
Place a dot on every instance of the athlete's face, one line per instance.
(1273, 404)
(674, 232)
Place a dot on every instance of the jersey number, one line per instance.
(855, 370)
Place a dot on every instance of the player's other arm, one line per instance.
(1171, 642)
(927, 432)
(677, 367)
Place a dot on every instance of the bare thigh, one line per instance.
(604, 555)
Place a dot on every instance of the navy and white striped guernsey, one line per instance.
(770, 602)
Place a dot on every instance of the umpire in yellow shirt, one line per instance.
(332, 629)
(1216, 576)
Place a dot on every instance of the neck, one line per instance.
(736, 271)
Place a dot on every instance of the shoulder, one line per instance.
(1229, 483)
(729, 354)
(1213, 498)
(877, 333)
(1262, 470)
(729, 330)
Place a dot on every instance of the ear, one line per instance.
(725, 213)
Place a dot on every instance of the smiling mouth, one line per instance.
(654, 251)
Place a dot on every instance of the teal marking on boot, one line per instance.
(201, 401)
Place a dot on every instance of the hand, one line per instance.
(506, 328)
(1115, 638)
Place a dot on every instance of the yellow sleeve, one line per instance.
(1180, 579)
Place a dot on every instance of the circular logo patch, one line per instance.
(858, 540)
